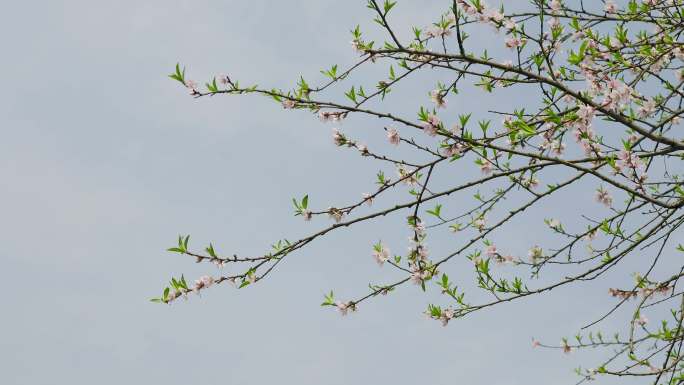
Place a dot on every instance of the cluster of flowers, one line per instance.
(584, 134)
(549, 142)
(200, 284)
(643, 292)
(486, 14)
(418, 253)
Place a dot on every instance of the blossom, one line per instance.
(422, 252)
(557, 147)
(409, 178)
(647, 108)
(566, 348)
(616, 95)
(535, 254)
(602, 196)
(555, 5)
(436, 31)
(480, 223)
(328, 116)
(288, 104)
(446, 316)
(453, 149)
(418, 276)
(191, 84)
(338, 138)
(431, 125)
(486, 167)
(336, 214)
(419, 229)
(554, 223)
(381, 253)
(610, 6)
(641, 321)
(223, 79)
(393, 136)
(344, 307)
(204, 282)
(629, 160)
(307, 215)
(368, 198)
(510, 24)
(535, 344)
(491, 251)
(514, 42)
(554, 22)
(438, 98)
(357, 45)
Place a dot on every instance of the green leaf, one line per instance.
(210, 250)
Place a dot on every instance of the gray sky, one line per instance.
(105, 160)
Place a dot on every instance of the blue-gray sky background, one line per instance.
(104, 160)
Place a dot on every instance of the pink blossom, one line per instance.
(480, 223)
(393, 136)
(603, 197)
(535, 344)
(307, 215)
(453, 149)
(438, 98)
(338, 138)
(647, 108)
(381, 254)
(288, 104)
(555, 5)
(223, 79)
(343, 307)
(422, 252)
(629, 160)
(513, 42)
(486, 167)
(641, 321)
(204, 282)
(191, 84)
(610, 6)
(446, 316)
(368, 198)
(554, 22)
(437, 31)
(491, 251)
(431, 125)
(510, 24)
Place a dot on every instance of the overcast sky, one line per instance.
(104, 161)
